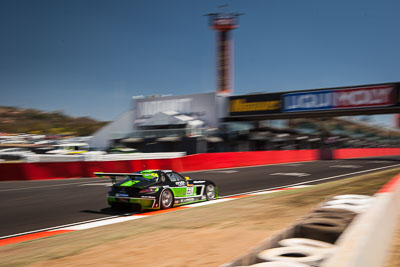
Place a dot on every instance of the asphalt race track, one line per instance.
(36, 205)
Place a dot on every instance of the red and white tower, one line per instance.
(223, 23)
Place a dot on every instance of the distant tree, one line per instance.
(15, 120)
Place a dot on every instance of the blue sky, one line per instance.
(89, 57)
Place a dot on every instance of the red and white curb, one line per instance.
(367, 240)
(18, 238)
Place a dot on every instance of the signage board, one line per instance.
(363, 99)
(255, 104)
(359, 97)
(304, 101)
(198, 106)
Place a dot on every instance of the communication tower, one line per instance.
(223, 23)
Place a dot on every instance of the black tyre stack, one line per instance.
(311, 240)
(324, 224)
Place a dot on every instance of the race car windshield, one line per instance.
(136, 179)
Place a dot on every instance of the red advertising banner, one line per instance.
(375, 96)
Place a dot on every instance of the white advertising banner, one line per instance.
(199, 106)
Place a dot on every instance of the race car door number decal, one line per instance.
(189, 191)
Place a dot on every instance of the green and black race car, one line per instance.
(156, 189)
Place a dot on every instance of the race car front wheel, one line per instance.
(210, 191)
(166, 199)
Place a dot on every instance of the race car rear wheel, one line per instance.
(166, 199)
(210, 192)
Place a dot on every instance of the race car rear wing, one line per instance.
(113, 175)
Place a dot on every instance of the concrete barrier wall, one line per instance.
(207, 161)
(54, 170)
(58, 170)
(348, 153)
(243, 159)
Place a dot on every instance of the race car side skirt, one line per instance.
(146, 203)
(184, 200)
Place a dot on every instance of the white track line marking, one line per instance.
(301, 186)
(103, 223)
(227, 171)
(346, 166)
(297, 174)
(209, 202)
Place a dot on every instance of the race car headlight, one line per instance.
(148, 190)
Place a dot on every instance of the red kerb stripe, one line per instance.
(390, 186)
(22, 238)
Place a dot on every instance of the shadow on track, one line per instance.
(112, 211)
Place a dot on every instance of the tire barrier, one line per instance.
(305, 255)
(364, 224)
(366, 242)
(322, 229)
(311, 241)
(340, 214)
(328, 222)
(277, 264)
(356, 209)
(346, 218)
(306, 242)
(352, 196)
(322, 210)
(354, 203)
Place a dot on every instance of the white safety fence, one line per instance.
(102, 157)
